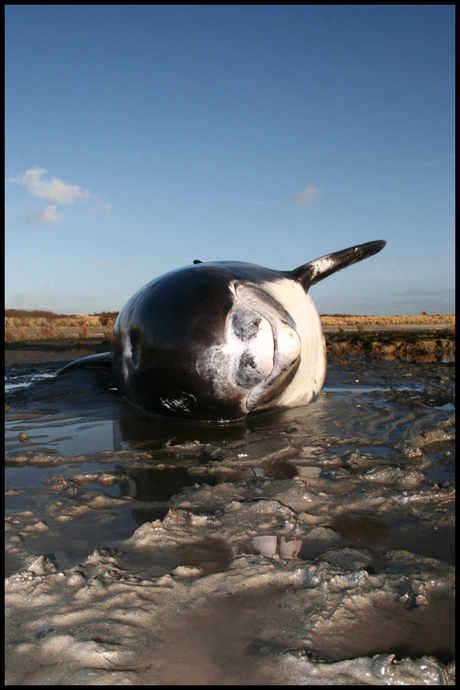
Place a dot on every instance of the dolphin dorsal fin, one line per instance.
(316, 270)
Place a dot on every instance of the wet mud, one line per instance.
(305, 546)
(413, 344)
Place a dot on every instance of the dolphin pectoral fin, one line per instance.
(101, 361)
(316, 270)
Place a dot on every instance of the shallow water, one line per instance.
(374, 406)
(368, 466)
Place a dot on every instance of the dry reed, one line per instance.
(47, 333)
(51, 325)
(353, 320)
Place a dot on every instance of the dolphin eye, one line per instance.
(135, 340)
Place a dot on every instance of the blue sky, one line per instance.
(140, 138)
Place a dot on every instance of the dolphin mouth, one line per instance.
(286, 344)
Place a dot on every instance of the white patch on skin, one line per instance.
(309, 340)
(255, 345)
(178, 403)
(127, 352)
(285, 338)
(244, 359)
(321, 265)
(310, 376)
(274, 346)
(215, 365)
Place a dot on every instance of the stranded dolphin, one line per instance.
(216, 341)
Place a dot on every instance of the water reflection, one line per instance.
(360, 529)
(271, 546)
(151, 432)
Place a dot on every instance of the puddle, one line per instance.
(366, 531)
(360, 530)
(66, 435)
(210, 555)
(194, 560)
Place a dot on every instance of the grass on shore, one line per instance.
(21, 324)
(20, 318)
(27, 325)
(349, 320)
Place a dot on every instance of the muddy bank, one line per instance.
(36, 351)
(308, 546)
(414, 345)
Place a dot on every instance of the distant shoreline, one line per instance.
(414, 319)
(25, 327)
(408, 342)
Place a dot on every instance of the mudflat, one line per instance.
(313, 545)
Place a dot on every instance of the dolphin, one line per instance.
(221, 340)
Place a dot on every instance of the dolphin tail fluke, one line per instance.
(316, 270)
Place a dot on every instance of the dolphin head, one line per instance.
(205, 342)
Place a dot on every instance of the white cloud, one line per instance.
(309, 195)
(108, 262)
(44, 215)
(54, 190)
